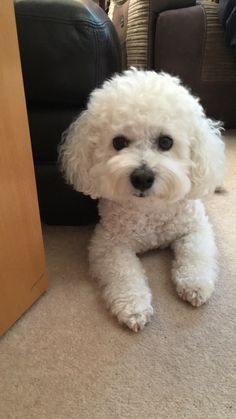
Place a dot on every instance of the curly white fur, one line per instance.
(142, 106)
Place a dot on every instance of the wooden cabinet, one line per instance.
(23, 276)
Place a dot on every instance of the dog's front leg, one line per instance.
(195, 267)
(122, 280)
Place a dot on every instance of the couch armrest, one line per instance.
(158, 6)
(134, 21)
(67, 49)
(178, 47)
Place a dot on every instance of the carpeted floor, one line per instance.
(66, 358)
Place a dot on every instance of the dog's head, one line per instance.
(143, 135)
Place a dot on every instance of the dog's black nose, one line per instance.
(142, 178)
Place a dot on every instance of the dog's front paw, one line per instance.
(194, 295)
(136, 320)
(195, 287)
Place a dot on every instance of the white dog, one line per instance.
(145, 148)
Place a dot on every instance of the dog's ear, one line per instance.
(75, 154)
(207, 155)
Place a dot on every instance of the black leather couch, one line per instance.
(67, 48)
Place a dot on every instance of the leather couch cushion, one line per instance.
(60, 203)
(46, 127)
(67, 48)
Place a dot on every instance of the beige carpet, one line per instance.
(67, 358)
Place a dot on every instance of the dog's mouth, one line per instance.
(140, 194)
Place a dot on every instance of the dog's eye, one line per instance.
(165, 142)
(120, 142)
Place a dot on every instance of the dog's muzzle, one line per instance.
(142, 178)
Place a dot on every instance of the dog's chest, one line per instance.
(147, 228)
